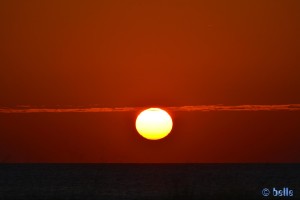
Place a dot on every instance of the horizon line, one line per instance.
(200, 108)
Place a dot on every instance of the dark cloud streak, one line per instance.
(200, 108)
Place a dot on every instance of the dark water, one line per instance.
(147, 181)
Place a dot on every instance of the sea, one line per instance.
(149, 181)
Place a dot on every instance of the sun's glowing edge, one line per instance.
(154, 123)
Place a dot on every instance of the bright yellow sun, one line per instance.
(154, 123)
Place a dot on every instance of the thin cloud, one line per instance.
(200, 108)
(206, 108)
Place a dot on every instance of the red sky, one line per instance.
(144, 54)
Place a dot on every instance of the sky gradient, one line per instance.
(231, 55)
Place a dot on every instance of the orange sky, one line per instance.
(149, 53)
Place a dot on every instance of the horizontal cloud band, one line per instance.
(201, 108)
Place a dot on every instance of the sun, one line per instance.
(154, 123)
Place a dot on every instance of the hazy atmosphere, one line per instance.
(226, 71)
